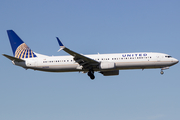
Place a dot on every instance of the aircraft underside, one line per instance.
(105, 72)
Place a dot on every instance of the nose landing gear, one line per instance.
(164, 68)
(162, 72)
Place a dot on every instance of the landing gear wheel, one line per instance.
(92, 77)
(162, 72)
(91, 74)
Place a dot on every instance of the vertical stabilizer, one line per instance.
(19, 48)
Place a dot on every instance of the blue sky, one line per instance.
(89, 27)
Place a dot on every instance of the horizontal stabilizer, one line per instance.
(13, 58)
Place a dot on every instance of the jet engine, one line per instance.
(107, 65)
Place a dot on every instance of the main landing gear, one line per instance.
(91, 74)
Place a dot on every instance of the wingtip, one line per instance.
(10, 30)
(57, 38)
(60, 43)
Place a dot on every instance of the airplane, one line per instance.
(106, 64)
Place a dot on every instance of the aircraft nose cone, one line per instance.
(176, 61)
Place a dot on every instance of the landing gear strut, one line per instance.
(91, 74)
(164, 68)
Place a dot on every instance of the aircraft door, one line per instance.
(158, 58)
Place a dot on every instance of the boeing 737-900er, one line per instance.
(106, 64)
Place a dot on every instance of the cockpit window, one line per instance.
(168, 56)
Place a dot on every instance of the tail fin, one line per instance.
(19, 48)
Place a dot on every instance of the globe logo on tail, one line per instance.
(23, 51)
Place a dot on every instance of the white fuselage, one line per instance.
(106, 64)
(143, 60)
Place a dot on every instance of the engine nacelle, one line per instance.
(107, 65)
(110, 73)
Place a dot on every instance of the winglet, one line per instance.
(60, 44)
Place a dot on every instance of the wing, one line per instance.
(82, 60)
